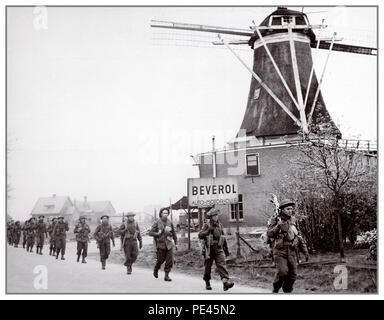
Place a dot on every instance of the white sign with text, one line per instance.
(207, 192)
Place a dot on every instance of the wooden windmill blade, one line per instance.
(200, 27)
(346, 48)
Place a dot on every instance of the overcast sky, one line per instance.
(99, 106)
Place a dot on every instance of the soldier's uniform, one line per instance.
(31, 234)
(163, 233)
(41, 231)
(10, 232)
(82, 232)
(25, 228)
(286, 240)
(103, 235)
(16, 234)
(60, 234)
(52, 245)
(214, 249)
(131, 234)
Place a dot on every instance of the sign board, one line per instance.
(207, 192)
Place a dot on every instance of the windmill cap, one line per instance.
(286, 203)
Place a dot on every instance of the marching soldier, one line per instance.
(163, 232)
(215, 249)
(52, 245)
(131, 234)
(25, 229)
(284, 235)
(16, 234)
(82, 231)
(103, 235)
(10, 232)
(31, 234)
(41, 230)
(60, 234)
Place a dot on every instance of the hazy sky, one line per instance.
(99, 106)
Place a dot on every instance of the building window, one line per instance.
(256, 94)
(276, 21)
(300, 20)
(237, 208)
(253, 168)
(287, 20)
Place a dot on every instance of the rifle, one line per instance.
(276, 217)
(207, 244)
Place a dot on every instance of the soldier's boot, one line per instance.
(156, 273)
(83, 261)
(208, 285)
(103, 265)
(129, 268)
(37, 250)
(78, 258)
(62, 257)
(288, 286)
(41, 251)
(57, 255)
(166, 277)
(50, 251)
(227, 284)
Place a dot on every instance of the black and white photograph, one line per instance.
(191, 150)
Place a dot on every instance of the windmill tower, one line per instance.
(285, 94)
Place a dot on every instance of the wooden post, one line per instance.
(238, 231)
(170, 209)
(213, 158)
(189, 228)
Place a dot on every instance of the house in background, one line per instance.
(94, 210)
(55, 206)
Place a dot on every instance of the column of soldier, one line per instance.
(282, 233)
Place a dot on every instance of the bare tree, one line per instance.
(334, 167)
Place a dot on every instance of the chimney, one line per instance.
(54, 195)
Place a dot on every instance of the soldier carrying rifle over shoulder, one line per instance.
(286, 241)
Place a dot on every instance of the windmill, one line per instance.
(285, 95)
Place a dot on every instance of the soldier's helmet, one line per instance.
(162, 211)
(130, 214)
(81, 217)
(104, 216)
(286, 203)
(213, 212)
(41, 217)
